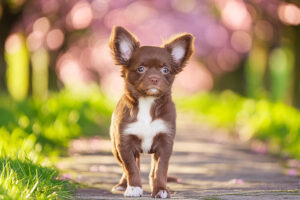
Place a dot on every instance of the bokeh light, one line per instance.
(50, 6)
(100, 7)
(40, 28)
(35, 40)
(41, 25)
(139, 11)
(216, 35)
(289, 14)
(81, 15)
(55, 39)
(114, 17)
(70, 70)
(263, 30)
(228, 59)
(13, 43)
(241, 41)
(202, 79)
(235, 15)
(184, 6)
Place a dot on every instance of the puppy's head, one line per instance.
(148, 70)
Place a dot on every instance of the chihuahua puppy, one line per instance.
(144, 118)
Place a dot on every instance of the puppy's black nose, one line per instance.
(154, 80)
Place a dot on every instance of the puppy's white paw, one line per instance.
(133, 191)
(118, 189)
(162, 194)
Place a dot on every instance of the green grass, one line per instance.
(23, 179)
(46, 127)
(34, 132)
(276, 124)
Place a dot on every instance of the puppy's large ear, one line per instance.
(181, 47)
(122, 44)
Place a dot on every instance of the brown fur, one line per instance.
(127, 148)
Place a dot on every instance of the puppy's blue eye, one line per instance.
(141, 69)
(165, 70)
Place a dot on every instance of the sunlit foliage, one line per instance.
(274, 123)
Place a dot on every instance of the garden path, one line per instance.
(208, 164)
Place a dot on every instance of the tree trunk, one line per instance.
(7, 22)
(297, 69)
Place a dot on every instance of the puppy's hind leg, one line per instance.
(122, 185)
(130, 157)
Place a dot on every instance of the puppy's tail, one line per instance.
(173, 179)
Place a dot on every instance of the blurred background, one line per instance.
(250, 47)
(58, 80)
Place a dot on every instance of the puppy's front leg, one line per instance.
(160, 161)
(129, 157)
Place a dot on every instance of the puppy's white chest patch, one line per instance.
(144, 127)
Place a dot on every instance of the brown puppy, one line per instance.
(144, 119)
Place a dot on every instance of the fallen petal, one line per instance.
(292, 172)
(236, 181)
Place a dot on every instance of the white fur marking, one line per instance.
(144, 127)
(178, 53)
(153, 91)
(162, 194)
(133, 191)
(125, 48)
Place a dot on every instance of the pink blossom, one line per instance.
(65, 176)
(100, 168)
(79, 178)
(236, 181)
(94, 168)
(292, 172)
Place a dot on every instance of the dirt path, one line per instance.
(208, 164)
